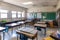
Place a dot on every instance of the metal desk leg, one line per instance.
(23, 37)
(20, 26)
(45, 31)
(37, 37)
(17, 36)
(12, 31)
(3, 35)
(25, 24)
(0, 36)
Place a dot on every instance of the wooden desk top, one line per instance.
(20, 22)
(29, 33)
(28, 20)
(41, 22)
(14, 24)
(40, 25)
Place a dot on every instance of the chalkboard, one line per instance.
(49, 15)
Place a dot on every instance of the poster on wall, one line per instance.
(30, 15)
(39, 15)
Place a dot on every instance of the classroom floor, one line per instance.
(13, 36)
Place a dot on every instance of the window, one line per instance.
(39, 15)
(19, 14)
(3, 13)
(23, 14)
(30, 15)
(13, 14)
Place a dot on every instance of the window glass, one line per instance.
(3, 13)
(13, 14)
(39, 15)
(23, 14)
(19, 14)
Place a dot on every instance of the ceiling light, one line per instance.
(27, 3)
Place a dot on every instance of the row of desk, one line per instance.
(41, 26)
(25, 34)
(2, 29)
(8, 25)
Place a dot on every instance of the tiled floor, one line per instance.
(13, 36)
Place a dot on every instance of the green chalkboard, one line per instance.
(49, 15)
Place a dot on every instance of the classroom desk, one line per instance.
(54, 36)
(41, 22)
(1, 30)
(22, 22)
(12, 25)
(15, 24)
(43, 26)
(28, 22)
(26, 32)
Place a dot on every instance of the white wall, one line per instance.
(58, 5)
(7, 6)
(10, 7)
(1, 0)
(41, 9)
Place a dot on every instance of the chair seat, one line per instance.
(48, 38)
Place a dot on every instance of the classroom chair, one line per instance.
(48, 38)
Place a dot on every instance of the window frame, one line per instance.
(3, 12)
(14, 12)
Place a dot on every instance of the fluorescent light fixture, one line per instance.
(27, 3)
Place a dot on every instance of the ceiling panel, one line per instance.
(35, 2)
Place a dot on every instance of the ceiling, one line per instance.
(35, 2)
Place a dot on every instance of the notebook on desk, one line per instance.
(28, 30)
